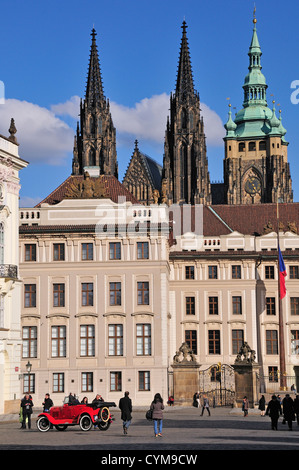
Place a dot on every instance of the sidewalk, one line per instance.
(14, 417)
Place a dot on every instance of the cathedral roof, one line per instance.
(108, 187)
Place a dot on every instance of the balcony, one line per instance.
(8, 271)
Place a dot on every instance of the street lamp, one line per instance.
(28, 367)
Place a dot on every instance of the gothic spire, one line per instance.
(94, 88)
(184, 84)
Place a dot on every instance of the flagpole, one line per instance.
(282, 362)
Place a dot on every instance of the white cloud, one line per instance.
(43, 137)
(69, 108)
(147, 120)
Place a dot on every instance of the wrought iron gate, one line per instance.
(218, 384)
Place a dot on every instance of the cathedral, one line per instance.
(255, 167)
(133, 270)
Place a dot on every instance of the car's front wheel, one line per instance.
(43, 424)
(85, 423)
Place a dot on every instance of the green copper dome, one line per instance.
(255, 119)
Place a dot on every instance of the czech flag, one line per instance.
(282, 275)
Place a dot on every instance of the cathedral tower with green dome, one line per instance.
(256, 169)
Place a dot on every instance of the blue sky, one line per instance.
(44, 53)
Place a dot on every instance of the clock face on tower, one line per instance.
(252, 185)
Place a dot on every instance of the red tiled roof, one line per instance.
(251, 219)
(113, 189)
(245, 219)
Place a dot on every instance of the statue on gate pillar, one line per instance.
(246, 375)
(185, 375)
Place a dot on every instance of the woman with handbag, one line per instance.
(157, 407)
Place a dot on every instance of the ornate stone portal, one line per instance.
(246, 376)
(185, 376)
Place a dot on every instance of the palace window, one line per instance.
(189, 272)
(144, 380)
(29, 341)
(237, 305)
(115, 382)
(115, 340)
(30, 295)
(294, 305)
(191, 340)
(58, 341)
(87, 294)
(115, 250)
(58, 382)
(294, 272)
(58, 252)
(115, 293)
(190, 305)
(236, 272)
(270, 305)
(142, 250)
(87, 341)
(271, 342)
(269, 272)
(237, 340)
(30, 252)
(213, 274)
(214, 341)
(58, 295)
(142, 293)
(87, 382)
(213, 305)
(143, 336)
(87, 251)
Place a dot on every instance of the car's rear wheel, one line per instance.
(103, 426)
(43, 424)
(85, 423)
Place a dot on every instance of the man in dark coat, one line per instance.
(125, 405)
(274, 411)
(27, 405)
(288, 410)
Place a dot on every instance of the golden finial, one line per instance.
(254, 18)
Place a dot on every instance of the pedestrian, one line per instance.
(293, 388)
(125, 405)
(262, 405)
(288, 410)
(274, 411)
(47, 403)
(157, 406)
(84, 401)
(296, 408)
(205, 405)
(245, 406)
(27, 405)
(196, 400)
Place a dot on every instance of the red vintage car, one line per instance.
(83, 415)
